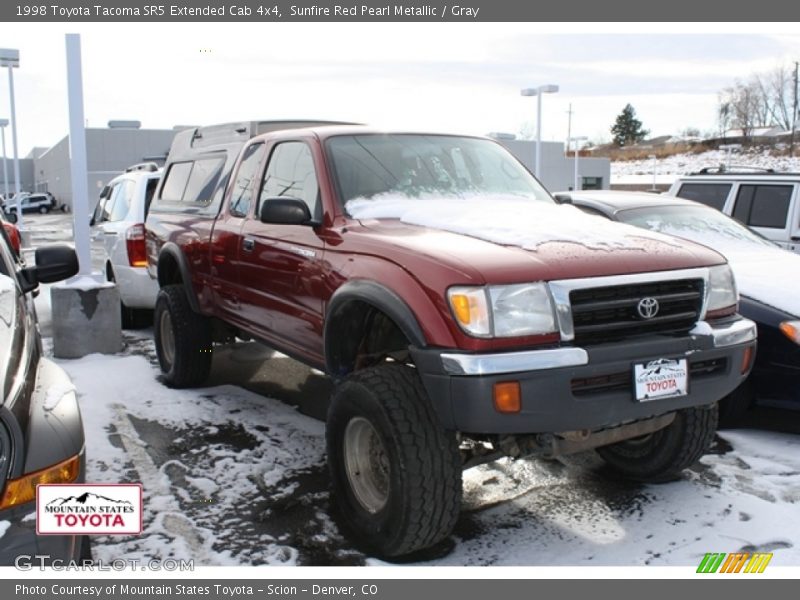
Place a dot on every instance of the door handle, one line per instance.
(109, 233)
(248, 244)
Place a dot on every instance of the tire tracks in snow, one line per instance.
(155, 482)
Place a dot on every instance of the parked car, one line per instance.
(766, 201)
(464, 315)
(766, 277)
(41, 433)
(10, 226)
(118, 248)
(40, 203)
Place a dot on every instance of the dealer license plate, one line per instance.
(663, 378)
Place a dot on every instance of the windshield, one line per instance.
(696, 223)
(426, 166)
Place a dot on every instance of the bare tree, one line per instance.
(742, 106)
(776, 89)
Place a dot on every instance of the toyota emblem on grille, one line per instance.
(647, 307)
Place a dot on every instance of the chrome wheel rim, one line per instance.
(167, 336)
(366, 464)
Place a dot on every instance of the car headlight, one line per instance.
(791, 329)
(503, 310)
(721, 297)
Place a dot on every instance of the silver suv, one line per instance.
(118, 248)
(766, 201)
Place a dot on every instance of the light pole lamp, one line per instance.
(576, 139)
(538, 92)
(3, 125)
(10, 58)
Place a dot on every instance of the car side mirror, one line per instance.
(54, 262)
(284, 210)
(11, 217)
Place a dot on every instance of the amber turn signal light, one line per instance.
(507, 397)
(23, 489)
(747, 359)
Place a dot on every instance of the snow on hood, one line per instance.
(506, 220)
(763, 272)
(769, 275)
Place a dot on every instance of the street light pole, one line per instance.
(10, 58)
(538, 91)
(580, 138)
(3, 124)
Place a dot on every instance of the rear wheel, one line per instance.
(662, 455)
(183, 339)
(396, 472)
(43, 210)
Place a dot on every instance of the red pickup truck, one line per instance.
(463, 314)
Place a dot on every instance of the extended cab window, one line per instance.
(242, 193)
(763, 205)
(290, 172)
(710, 194)
(203, 180)
(175, 182)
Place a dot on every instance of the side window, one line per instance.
(763, 205)
(123, 201)
(242, 194)
(175, 182)
(203, 180)
(152, 184)
(290, 172)
(710, 194)
(105, 213)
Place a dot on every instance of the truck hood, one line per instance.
(517, 240)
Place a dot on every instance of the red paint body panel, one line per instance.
(280, 288)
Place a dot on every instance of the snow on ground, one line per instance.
(235, 477)
(671, 167)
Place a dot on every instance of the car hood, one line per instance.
(10, 334)
(769, 275)
(516, 241)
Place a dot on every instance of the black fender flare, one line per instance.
(172, 250)
(379, 297)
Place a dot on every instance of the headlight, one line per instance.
(504, 310)
(791, 329)
(722, 298)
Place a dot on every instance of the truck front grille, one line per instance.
(611, 314)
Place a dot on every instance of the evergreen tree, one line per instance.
(627, 128)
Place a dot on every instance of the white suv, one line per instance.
(118, 247)
(767, 202)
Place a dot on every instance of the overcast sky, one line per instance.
(451, 77)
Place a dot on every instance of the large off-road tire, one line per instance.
(661, 456)
(183, 339)
(396, 472)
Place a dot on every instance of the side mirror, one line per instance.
(11, 217)
(54, 262)
(284, 210)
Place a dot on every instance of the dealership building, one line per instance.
(110, 150)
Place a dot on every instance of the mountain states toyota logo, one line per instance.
(81, 509)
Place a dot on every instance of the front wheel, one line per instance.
(43, 210)
(662, 455)
(183, 339)
(396, 472)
